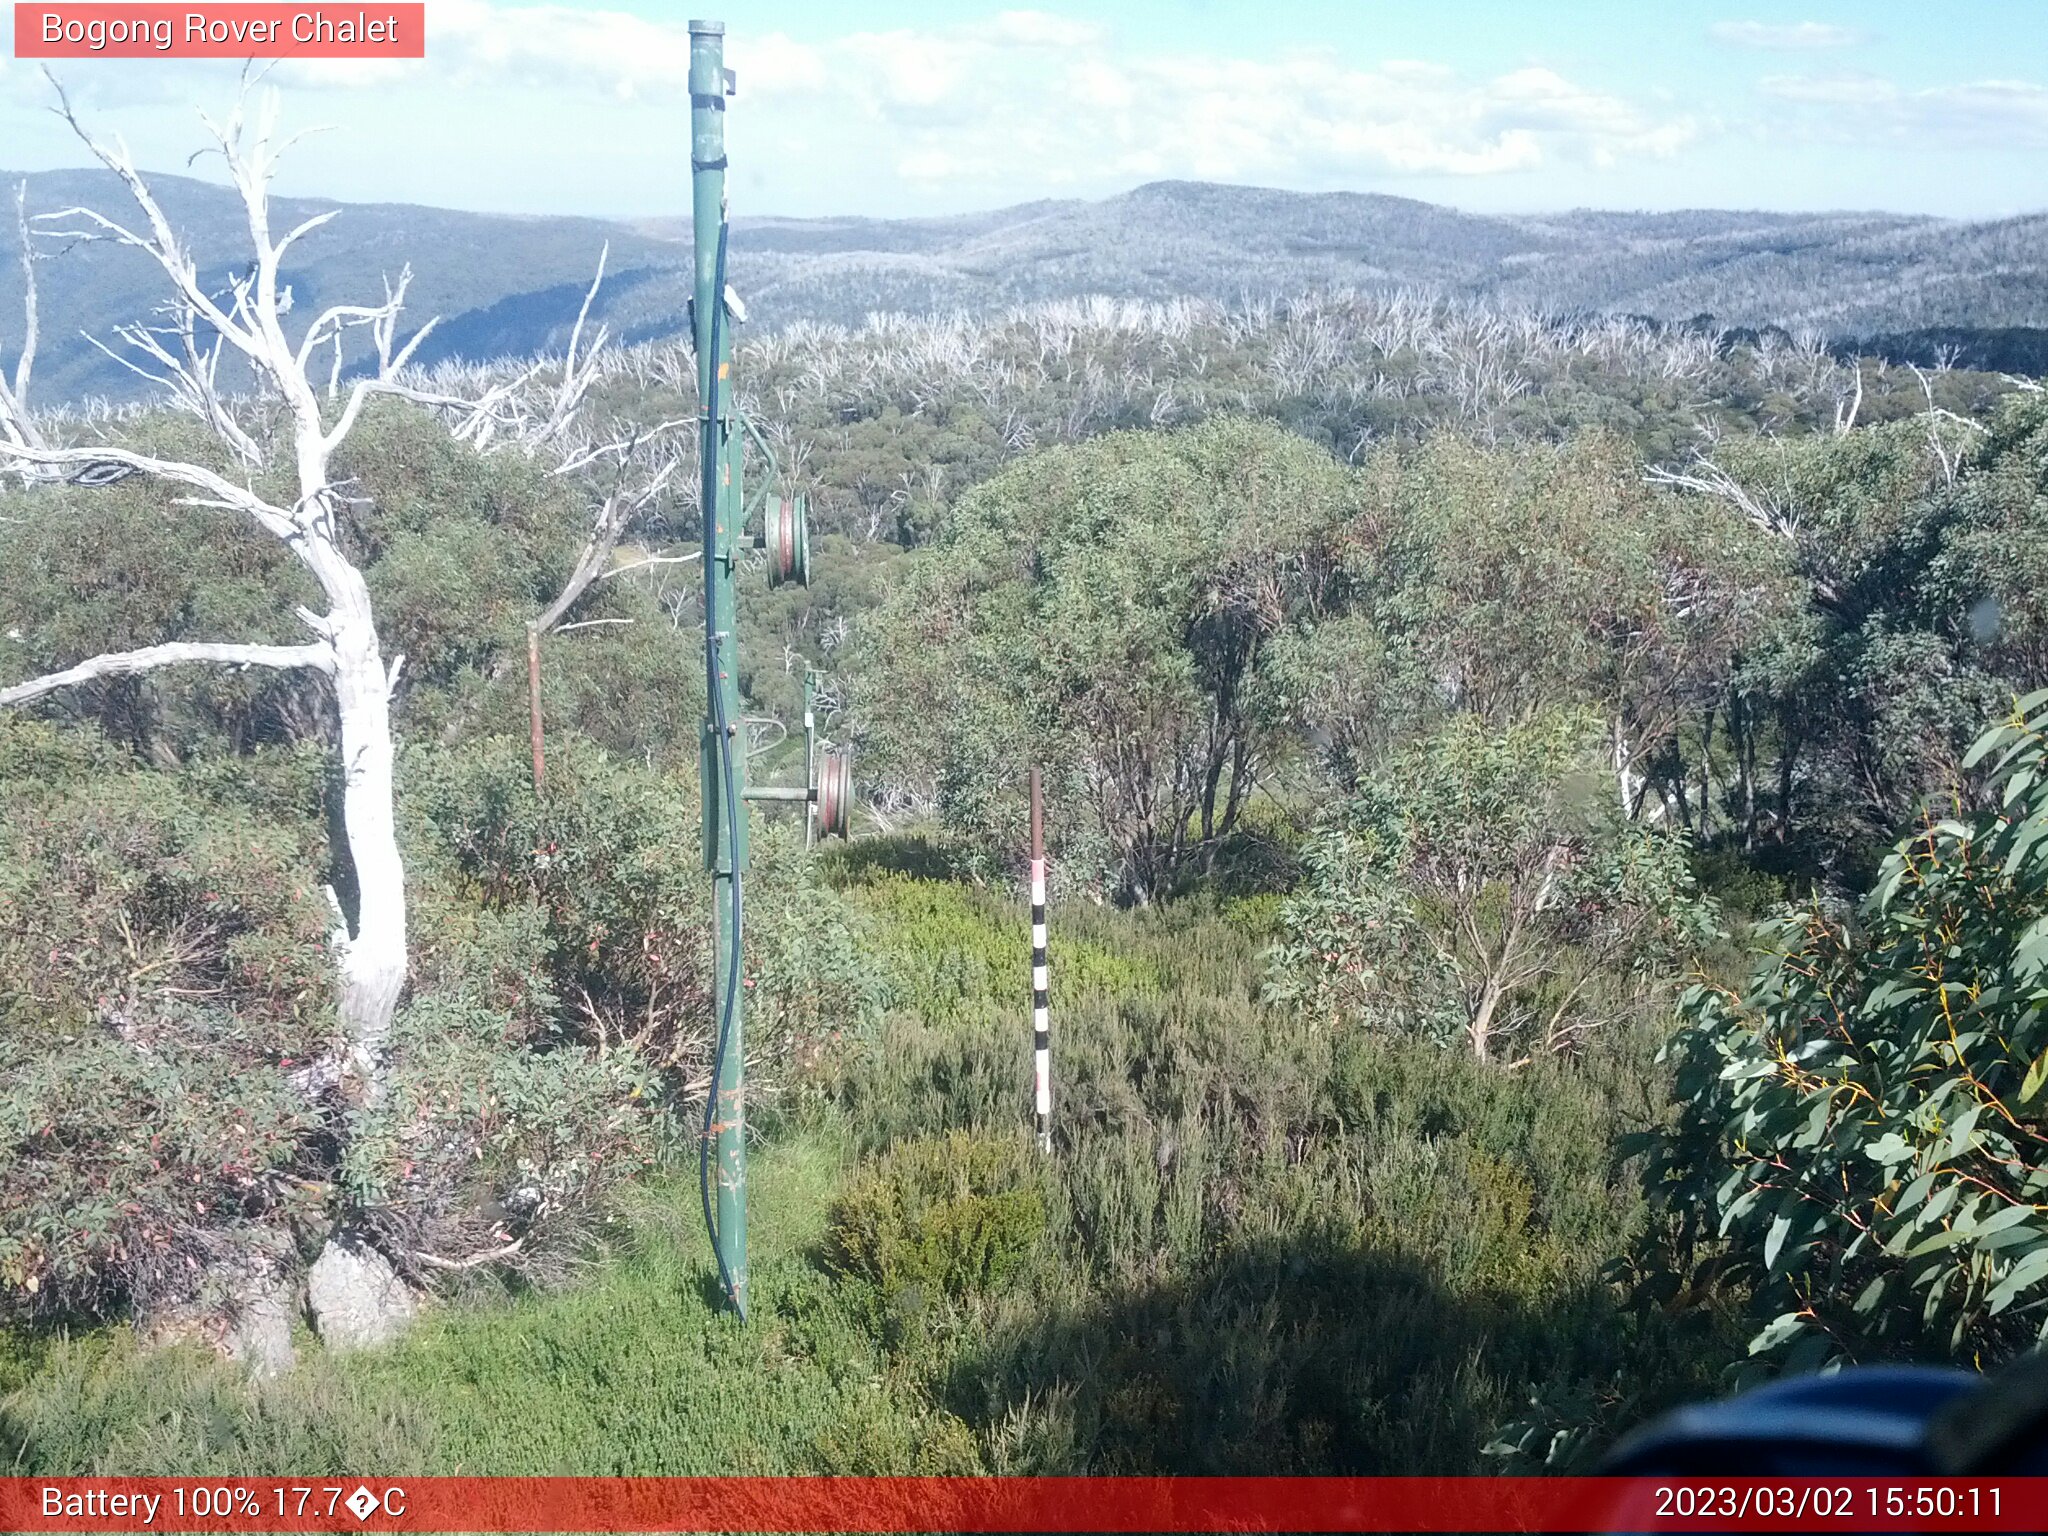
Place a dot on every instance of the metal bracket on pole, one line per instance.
(811, 753)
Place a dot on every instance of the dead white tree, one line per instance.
(642, 465)
(1774, 513)
(1704, 476)
(1846, 409)
(182, 351)
(541, 415)
(14, 412)
(1945, 453)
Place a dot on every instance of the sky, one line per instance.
(924, 107)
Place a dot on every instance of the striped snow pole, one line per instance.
(1041, 1013)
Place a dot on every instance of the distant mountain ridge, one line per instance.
(510, 285)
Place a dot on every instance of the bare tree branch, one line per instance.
(320, 657)
(1707, 478)
(641, 565)
(614, 516)
(25, 365)
(1949, 457)
(474, 1261)
(1845, 420)
(163, 246)
(221, 492)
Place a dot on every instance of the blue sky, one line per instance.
(922, 107)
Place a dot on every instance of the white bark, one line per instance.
(372, 949)
(373, 957)
(1774, 514)
(370, 942)
(1627, 782)
(15, 423)
(176, 653)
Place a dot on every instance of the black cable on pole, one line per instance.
(712, 464)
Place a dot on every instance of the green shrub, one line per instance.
(1258, 917)
(1106, 608)
(1734, 882)
(949, 1216)
(1487, 887)
(1861, 1123)
(163, 968)
(584, 913)
(913, 855)
(944, 946)
(474, 1145)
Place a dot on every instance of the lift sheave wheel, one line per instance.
(835, 794)
(787, 539)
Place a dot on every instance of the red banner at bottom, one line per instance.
(1022, 1504)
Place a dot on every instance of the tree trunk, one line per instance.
(1787, 755)
(1743, 709)
(1707, 775)
(540, 757)
(1677, 780)
(1623, 784)
(374, 956)
(1480, 1030)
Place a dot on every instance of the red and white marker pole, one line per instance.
(1041, 1013)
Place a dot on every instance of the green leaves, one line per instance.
(2037, 1074)
(1129, 612)
(1867, 1098)
(2029, 1271)
(1487, 886)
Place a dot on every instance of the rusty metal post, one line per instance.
(540, 760)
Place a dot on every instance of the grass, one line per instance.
(947, 945)
(1262, 1245)
(633, 1371)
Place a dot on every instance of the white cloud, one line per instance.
(1785, 35)
(345, 74)
(909, 70)
(971, 104)
(1844, 89)
(2003, 113)
(1019, 103)
(1042, 29)
(1005, 99)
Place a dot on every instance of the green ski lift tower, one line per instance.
(723, 434)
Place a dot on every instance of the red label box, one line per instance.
(377, 30)
(383, 1506)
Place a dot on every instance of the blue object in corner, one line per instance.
(1872, 1420)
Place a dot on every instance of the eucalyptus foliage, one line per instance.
(1485, 886)
(1108, 610)
(1861, 1134)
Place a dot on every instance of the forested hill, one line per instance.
(510, 286)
